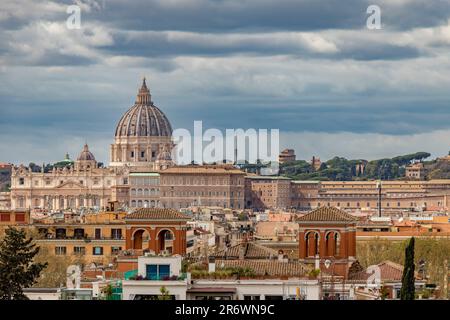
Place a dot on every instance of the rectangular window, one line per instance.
(79, 251)
(60, 251)
(157, 271)
(97, 251)
(132, 154)
(142, 154)
(116, 234)
(98, 233)
(20, 217)
(21, 181)
(5, 217)
(115, 250)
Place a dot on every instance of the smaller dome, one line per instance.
(86, 155)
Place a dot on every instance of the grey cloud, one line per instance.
(161, 44)
(300, 66)
(263, 15)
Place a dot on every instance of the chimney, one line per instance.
(212, 264)
(242, 250)
(281, 257)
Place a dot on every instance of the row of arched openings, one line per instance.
(332, 244)
(164, 239)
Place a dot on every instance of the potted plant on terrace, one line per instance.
(314, 273)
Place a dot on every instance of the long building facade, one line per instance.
(415, 195)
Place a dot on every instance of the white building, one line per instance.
(166, 272)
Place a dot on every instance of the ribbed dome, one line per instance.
(144, 119)
(86, 155)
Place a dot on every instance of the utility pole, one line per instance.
(379, 197)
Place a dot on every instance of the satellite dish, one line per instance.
(73, 277)
(327, 263)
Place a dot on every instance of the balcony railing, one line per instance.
(180, 277)
(53, 237)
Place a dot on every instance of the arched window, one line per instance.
(337, 244)
(312, 243)
(133, 203)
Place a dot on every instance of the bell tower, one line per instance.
(327, 239)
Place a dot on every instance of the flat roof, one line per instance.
(211, 290)
(268, 177)
(306, 181)
(144, 174)
(42, 290)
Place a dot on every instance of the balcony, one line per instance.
(85, 238)
(180, 277)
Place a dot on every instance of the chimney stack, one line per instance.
(212, 264)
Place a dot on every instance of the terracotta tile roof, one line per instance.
(266, 267)
(156, 214)
(405, 223)
(327, 214)
(389, 272)
(290, 250)
(251, 251)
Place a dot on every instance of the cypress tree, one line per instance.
(407, 292)
(17, 270)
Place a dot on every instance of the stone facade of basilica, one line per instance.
(143, 142)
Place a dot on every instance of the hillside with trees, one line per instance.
(342, 169)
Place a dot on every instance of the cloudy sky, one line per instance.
(310, 68)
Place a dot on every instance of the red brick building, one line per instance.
(327, 235)
(156, 229)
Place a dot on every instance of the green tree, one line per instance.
(355, 269)
(384, 293)
(17, 267)
(165, 294)
(434, 251)
(108, 292)
(407, 292)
